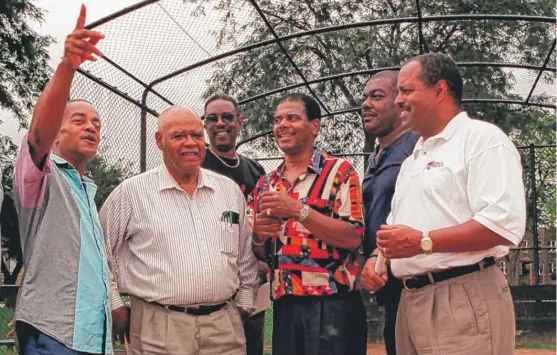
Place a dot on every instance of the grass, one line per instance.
(544, 346)
(268, 326)
(545, 342)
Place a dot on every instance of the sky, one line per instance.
(60, 19)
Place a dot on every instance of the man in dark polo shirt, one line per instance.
(223, 124)
(381, 119)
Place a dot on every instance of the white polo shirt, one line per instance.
(471, 170)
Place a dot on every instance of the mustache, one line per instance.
(217, 131)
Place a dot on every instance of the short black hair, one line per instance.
(313, 111)
(438, 66)
(224, 97)
(391, 75)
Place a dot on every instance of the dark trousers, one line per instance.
(328, 325)
(254, 328)
(389, 297)
(34, 342)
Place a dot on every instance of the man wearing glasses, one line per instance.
(223, 123)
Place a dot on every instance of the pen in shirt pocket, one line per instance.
(230, 218)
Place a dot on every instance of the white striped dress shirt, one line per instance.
(170, 248)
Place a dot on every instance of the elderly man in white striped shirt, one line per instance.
(179, 243)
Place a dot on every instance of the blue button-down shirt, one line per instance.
(64, 292)
(379, 185)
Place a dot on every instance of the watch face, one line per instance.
(426, 244)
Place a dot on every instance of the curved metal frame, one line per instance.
(277, 40)
(464, 101)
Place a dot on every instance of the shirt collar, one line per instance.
(58, 160)
(167, 181)
(63, 163)
(315, 163)
(450, 129)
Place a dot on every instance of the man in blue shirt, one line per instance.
(381, 119)
(63, 305)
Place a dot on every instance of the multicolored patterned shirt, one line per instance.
(302, 264)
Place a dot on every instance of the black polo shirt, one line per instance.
(246, 174)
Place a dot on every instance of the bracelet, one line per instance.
(372, 256)
(256, 243)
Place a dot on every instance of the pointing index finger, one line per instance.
(81, 19)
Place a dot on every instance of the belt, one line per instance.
(419, 281)
(193, 310)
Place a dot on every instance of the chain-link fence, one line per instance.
(159, 53)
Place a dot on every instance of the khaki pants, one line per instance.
(471, 314)
(155, 330)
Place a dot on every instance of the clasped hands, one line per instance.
(275, 209)
(394, 242)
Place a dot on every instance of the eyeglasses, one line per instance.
(212, 119)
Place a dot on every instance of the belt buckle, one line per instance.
(404, 283)
(192, 308)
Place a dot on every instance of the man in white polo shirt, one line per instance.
(458, 205)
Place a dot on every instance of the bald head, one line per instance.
(180, 113)
(181, 139)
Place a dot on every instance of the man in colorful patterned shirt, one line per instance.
(308, 225)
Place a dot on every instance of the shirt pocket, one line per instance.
(228, 237)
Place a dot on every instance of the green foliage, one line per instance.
(24, 68)
(106, 175)
(8, 151)
(266, 68)
(6, 315)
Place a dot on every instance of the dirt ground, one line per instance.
(378, 349)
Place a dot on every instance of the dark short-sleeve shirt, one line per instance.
(246, 174)
(379, 185)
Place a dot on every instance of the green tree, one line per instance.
(266, 68)
(24, 57)
(106, 175)
(8, 216)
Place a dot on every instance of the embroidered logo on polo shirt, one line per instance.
(434, 164)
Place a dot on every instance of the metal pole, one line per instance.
(143, 133)
(534, 207)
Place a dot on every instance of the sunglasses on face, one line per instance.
(212, 119)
